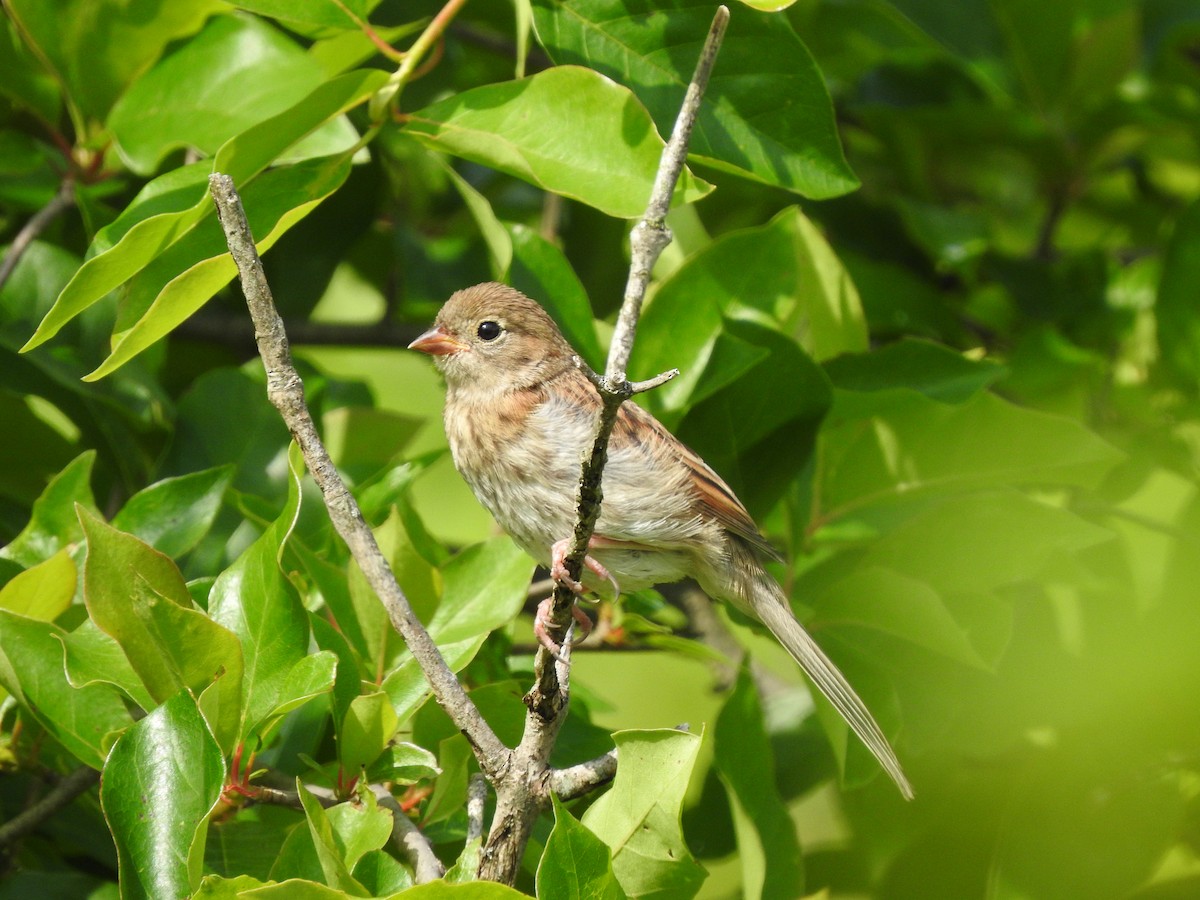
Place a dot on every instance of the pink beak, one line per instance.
(437, 342)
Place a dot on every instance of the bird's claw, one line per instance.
(542, 619)
(558, 568)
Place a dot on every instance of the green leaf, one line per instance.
(783, 273)
(784, 136)
(235, 73)
(901, 606)
(492, 230)
(466, 867)
(93, 657)
(275, 201)
(53, 524)
(312, 13)
(575, 863)
(1175, 309)
(369, 725)
(312, 676)
(887, 445)
(172, 515)
(977, 541)
(475, 890)
(137, 596)
(541, 270)
(932, 369)
(42, 592)
(329, 854)
(756, 437)
(360, 827)
(82, 719)
(485, 588)
(161, 781)
(257, 603)
(96, 48)
(767, 843)
(403, 763)
(187, 204)
(566, 130)
(639, 817)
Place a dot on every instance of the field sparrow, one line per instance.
(520, 415)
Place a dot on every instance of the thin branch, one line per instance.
(575, 781)
(62, 200)
(286, 392)
(522, 795)
(59, 797)
(476, 802)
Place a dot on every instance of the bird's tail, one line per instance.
(771, 607)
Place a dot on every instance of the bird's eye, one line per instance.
(489, 330)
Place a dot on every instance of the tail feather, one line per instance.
(770, 606)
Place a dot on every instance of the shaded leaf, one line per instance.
(768, 846)
(53, 524)
(785, 136)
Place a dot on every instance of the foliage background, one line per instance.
(938, 323)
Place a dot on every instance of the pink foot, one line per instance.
(542, 619)
(558, 568)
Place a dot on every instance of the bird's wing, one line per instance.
(714, 498)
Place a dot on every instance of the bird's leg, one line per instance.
(558, 571)
(558, 565)
(542, 619)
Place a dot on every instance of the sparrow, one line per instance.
(520, 414)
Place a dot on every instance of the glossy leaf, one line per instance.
(232, 75)
(766, 836)
(567, 130)
(360, 827)
(83, 719)
(160, 783)
(95, 49)
(276, 201)
(652, 48)
(172, 515)
(639, 816)
(242, 158)
(575, 863)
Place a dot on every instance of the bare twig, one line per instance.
(58, 797)
(575, 781)
(476, 801)
(524, 791)
(286, 392)
(36, 225)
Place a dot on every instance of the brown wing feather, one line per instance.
(713, 496)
